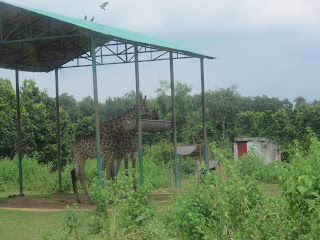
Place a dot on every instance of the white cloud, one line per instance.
(155, 15)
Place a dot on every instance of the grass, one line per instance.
(28, 225)
(22, 225)
(9, 192)
(271, 189)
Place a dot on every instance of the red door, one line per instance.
(242, 148)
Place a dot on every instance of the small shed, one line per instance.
(268, 149)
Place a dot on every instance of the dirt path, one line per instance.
(58, 203)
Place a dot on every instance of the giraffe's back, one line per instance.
(84, 147)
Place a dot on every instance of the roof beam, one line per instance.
(44, 38)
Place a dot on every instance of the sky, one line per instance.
(269, 47)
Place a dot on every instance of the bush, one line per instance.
(217, 209)
(131, 210)
(302, 188)
(252, 164)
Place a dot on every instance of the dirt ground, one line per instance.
(58, 203)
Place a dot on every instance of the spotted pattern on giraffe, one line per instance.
(116, 144)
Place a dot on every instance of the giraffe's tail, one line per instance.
(74, 179)
(73, 173)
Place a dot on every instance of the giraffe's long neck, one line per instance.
(130, 114)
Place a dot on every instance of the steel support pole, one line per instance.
(180, 171)
(58, 126)
(171, 169)
(19, 132)
(138, 113)
(1, 27)
(175, 152)
(204, 117)
(96, 106)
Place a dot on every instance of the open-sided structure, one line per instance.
(40, 41)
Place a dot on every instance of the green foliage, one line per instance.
(229, 115)
(38, 125)
(117, 106)
(85, 126)
(130, 210)
(302, 186)
(39, 177)
(155, 172)
(223, 105)
(7, 119)
(70, 105)
(230, 205)
(284, 127)
(72, 224)
(217, 209)
(71, 228)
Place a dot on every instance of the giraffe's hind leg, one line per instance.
(75, 185)
(80, 174)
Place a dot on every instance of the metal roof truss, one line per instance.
(116, 52)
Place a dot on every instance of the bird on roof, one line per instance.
(103, 5)
(92, 19)
(85, 17)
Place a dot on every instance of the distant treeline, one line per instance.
(229, 115)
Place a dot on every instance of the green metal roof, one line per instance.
(121, 34)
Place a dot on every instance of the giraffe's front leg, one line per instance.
(126, 164)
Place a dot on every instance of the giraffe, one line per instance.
(151, 115)
(116, 144)
(132, 151)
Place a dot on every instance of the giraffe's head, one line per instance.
(155, 114)
(151, 115)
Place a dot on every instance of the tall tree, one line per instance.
(38, 125)
(70, 105)
(300, 102)
(7, 119)
(223, 105)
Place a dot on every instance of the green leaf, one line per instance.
(315, 194)
(308, 182)
(140, 218)
(302, 189)
(311, 204)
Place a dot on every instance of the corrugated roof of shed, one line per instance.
(114, 33)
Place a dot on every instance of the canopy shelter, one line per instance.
(40, 41)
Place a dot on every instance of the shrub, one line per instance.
(302, 187)
(252, 164)
(217, 209)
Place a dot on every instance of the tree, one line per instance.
(70, 105)
(117, 106)
(86, 107)
(300, 102)
(223, 105)
(38, 125)
(7, 119)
